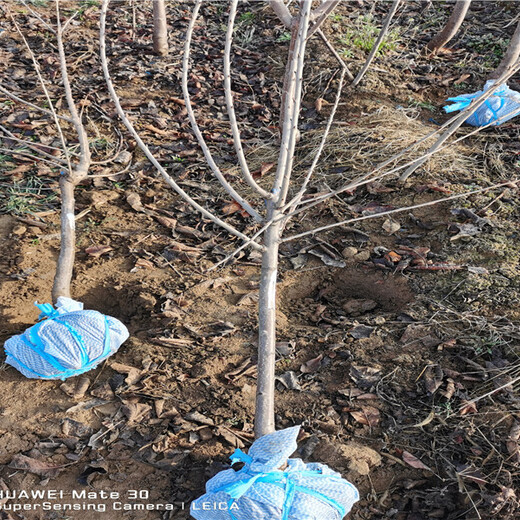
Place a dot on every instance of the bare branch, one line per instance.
(36, 15)
(81, 169)
(400, 210)
(284, 15)
(334, 52)
(45, 91)
(296, 92)
(319, 15)
(382, 33)
(281, 10)
(29, 104)
(36, 158)
(35, 147)
(230, 106)
(367, 178)
(142, 145)
(296, 199)
(292, 85)
(196, 130)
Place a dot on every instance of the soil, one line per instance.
(386, 334)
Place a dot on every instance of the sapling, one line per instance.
(284, 197)
(57, 347)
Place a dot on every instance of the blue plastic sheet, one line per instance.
(263, 491)
(67, 342)
(501, 106)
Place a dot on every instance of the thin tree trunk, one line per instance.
(160, 28)
(452, 26)
(511, 56)
(264, 416)
(63, 277)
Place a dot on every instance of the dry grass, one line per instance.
(352, 150)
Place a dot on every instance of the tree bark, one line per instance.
(264, 416)
(160, 28)
(451, 28)
(511, 56)
(63, 277)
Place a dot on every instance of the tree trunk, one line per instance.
(511, 56)
(451, 27)
(264, 417)
(63, 277)
(160, 28)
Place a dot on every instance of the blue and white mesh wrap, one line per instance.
(261, 491)
(501, 106)
(70, 341)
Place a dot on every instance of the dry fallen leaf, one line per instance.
(468, 407)
(312, 365)
(136, 412)
(264, 168)
(23, 463)
(413, 461)
(368, 415)
(391, 226)
(97, 251)
(167, 222)
(142, 263)
(134, 202)
(77, 387)
(234, 207)
(433, 376)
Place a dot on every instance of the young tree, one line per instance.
(282, 200)
(75, 168)
(160, 28)
(451, 28)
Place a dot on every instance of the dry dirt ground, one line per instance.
(388, 331)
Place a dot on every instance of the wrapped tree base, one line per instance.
(67, 342)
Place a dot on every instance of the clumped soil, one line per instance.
(387, 331)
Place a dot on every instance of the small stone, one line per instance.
(349, 252)
(362, 256)
(19, 230)
(33, 230)
(379, 320)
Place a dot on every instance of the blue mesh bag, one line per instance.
(67, 342)
(262, 491)
(501, 106)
